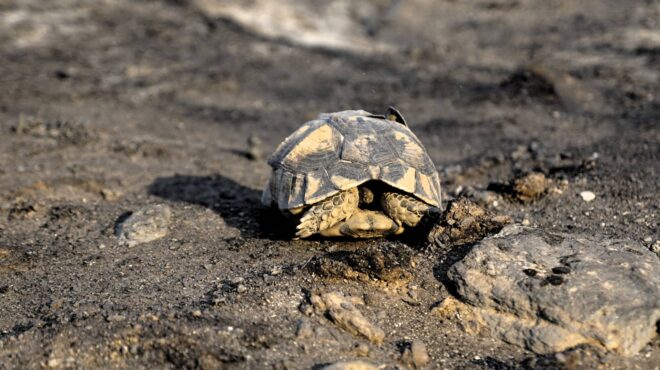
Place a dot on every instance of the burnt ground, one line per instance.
(109, 106)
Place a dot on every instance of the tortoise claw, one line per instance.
(403, 208)
(327, 213)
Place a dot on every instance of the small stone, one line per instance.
(342, 312)
(197, 313)
(116, 318)
(587, 196)
(254, 148)
(371, 299)
(525, 222)
(144, 225)
(415, 355)
(111, 195)
(303, 329)
(648, 239)
(361, 349)
(530, 186)
(655, 248)
(306, 309)
(241, 288)
(351, 365)
(54, 362)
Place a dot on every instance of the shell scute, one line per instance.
(342, 150)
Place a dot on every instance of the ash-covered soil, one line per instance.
(110, 106)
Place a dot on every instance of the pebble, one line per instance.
(303, 330)
(587, 196)
(361, 349)
(531, 186)
(254, 148)
(655, 248)
(343, 313)
(116, 318)
(111, 195)
(144, 225)
(306, 309)
(371, 299)
(241, 288)
(416, 355)
(351, 365)
(54, 362)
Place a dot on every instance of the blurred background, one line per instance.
(474, 78)
(250, 61)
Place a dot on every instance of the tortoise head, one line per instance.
(394, 115)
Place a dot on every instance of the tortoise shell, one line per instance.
(342, 150)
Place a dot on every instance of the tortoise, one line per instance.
(353, 173)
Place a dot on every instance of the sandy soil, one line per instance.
(109, 106)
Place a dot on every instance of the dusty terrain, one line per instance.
(110, 106)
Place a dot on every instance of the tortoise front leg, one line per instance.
(327, 213)
(403, 208)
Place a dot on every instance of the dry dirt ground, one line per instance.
(110, 106)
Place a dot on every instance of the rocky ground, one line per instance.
(132, 160)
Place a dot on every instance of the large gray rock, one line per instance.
(549, 291)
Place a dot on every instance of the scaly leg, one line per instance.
(327, 213)
(403, 209)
